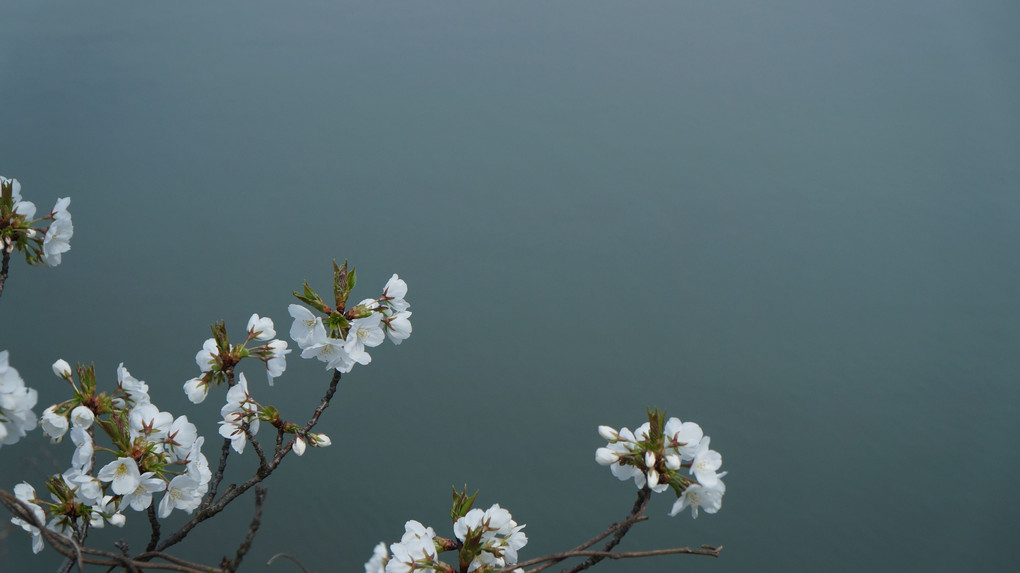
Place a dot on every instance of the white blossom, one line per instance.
(377, 564)
(328, 350)
(84, 448)
(180, 438)
(695, 496)
(53, 425)
(364, 332)
(196, 389)
(305, 324)
(398, 326)
(240, 408)
(261, 327)
(277, 362)
(146, 420)
(137, 390)
(394, 293)
(82, 416)
(706, 463)
(26, 494)
(62, 369)
(206, 357)
(123, 473)
(181, 493)
(57, 240)
(16, 403)
(141, 498)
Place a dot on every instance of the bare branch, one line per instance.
(256, 521)
(706, 550)
(4, 268)
(286, 556)
(154, 523)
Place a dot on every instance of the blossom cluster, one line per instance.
(17, 231)
(340, 338)
(655, 455)
(155, 453)
(218, 358)
(486, 541)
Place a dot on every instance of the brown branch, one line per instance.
(706, 550)
(286, 556)
(70, 548)
(217, 477)
(263, 464)
(256, 521)
(154, 523)
(4, 268)
(639, 507)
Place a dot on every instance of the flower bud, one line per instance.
(196, 389)
(320, 440)
(649, 460)
(673, 461)
(82, 416)
(653, 478)
(605, 456)
(53, 424)
(299, 446)
(117, 519)
(608, 434)
(62, 369)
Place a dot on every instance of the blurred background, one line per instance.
(795, 224)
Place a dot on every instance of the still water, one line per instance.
(795, 223)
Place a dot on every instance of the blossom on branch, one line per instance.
(654, 455)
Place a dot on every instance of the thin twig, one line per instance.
(5, 268)
(263, 464)
(217, 477)
(256, 521)
(154, 523)
(286, 556)
(639, 507)
(706, 550)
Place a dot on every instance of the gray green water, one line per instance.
(795, 223)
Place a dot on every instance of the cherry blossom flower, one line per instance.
(206, 358)
(141, 498)
(394, 293)
(62, 369)
(277, 362)
(377, 564)
(82, 416)
(16, 403)
(181, 493)
(262, 328)
(305, 324)
(705, 464)
(364, 332)
(26, 494)
(123, 473)
(695, 496)
(196, 389)
(56, 240)
(53, 424)
(137, 390)
(84, 448)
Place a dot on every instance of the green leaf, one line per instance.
(461, 503)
